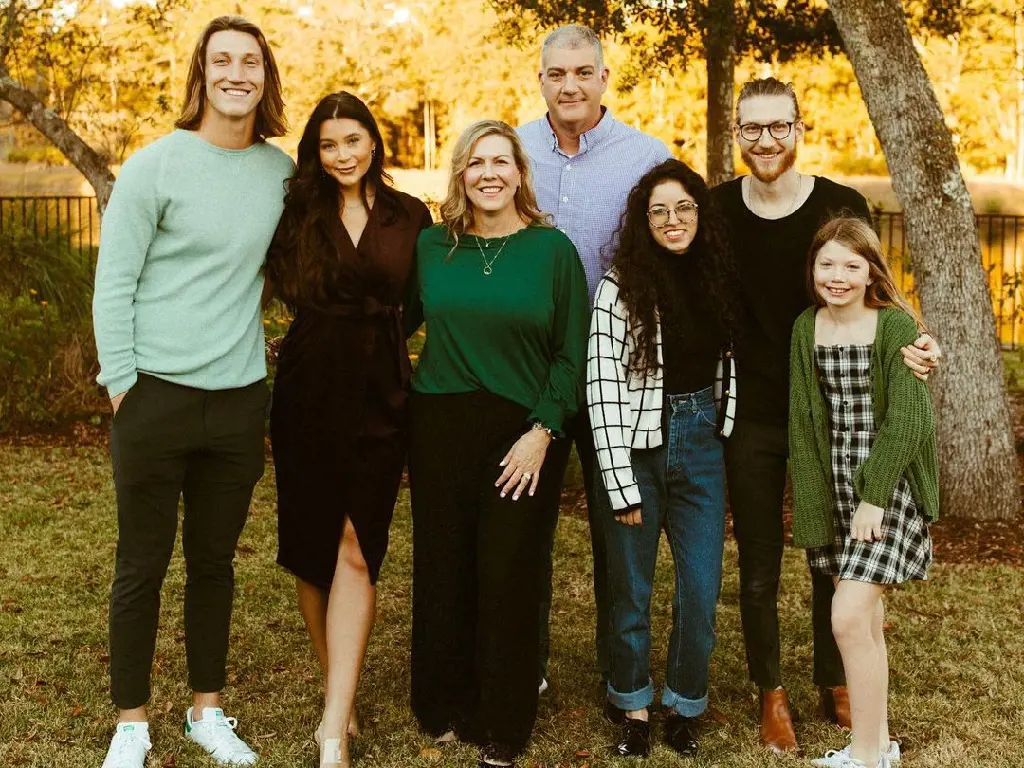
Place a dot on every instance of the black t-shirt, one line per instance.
(692, 337)
(771, 259)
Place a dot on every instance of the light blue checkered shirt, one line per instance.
(586, 192)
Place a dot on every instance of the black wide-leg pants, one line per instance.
(478, 570)
(169, 442)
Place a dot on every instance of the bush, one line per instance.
(46, 154)
(47, 355)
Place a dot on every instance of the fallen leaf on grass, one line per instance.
(433, 754)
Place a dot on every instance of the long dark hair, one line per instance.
(303, 254)
(641, 269)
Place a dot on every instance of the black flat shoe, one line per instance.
(613, 714)
(636, 739)
(681, 734)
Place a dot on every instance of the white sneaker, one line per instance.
(834, 757)
(216, 734)
(129, 746)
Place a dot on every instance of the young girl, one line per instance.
(863, 461)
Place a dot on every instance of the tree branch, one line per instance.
(87, 160)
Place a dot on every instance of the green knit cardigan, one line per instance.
(904, 444)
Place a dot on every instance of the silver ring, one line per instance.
(527, 475)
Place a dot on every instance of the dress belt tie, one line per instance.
(371, 309)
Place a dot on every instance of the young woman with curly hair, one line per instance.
(342, 260)
(662, 322)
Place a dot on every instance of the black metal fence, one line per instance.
(1002, 256)
(71, 219)
(75, 221)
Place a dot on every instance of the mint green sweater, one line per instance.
(179, 278)
(904, 443)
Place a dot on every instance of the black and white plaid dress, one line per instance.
(905, 549)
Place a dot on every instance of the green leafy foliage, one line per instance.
(47, 356)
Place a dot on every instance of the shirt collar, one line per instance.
(591, 138)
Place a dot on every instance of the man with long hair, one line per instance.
(178, 329)
(773, 215)
(584, 162)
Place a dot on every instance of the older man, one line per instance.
(584, 162)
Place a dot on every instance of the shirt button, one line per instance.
(568, 167)
(565, 199)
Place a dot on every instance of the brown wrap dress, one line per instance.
(338, 421)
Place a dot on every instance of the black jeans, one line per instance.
(577, 430)
(167, 442)
(755, 463)
(477, 571)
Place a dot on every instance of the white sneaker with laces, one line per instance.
(216, 734)
(890, 757)
(129, 746)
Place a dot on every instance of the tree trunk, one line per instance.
(59, 133)
(720, 52)
(976, 449)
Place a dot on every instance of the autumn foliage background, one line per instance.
(115, 70)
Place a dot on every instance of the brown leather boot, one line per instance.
(834, 705)
(776, 724)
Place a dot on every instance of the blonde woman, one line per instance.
(504, 297)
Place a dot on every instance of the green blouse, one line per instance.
(519, 332)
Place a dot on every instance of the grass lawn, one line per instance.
(956, 649)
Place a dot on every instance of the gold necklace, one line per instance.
(489, 264)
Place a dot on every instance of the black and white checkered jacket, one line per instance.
(625, 406)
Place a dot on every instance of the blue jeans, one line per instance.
(682, 486)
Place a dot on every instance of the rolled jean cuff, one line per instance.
(631, 702)
(683, 706)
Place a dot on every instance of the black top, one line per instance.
(692, 337)
(771, 259)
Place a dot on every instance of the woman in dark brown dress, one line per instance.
(341, 261)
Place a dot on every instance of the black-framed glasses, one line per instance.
(778, 130)
(686, 213)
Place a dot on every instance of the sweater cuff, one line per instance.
(121, 384)
(627, 498)
(550, 415)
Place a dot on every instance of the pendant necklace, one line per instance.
(488, 264)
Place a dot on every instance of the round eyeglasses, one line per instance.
(778, 130)
(686, 213)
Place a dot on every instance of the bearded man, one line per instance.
(773, 215)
